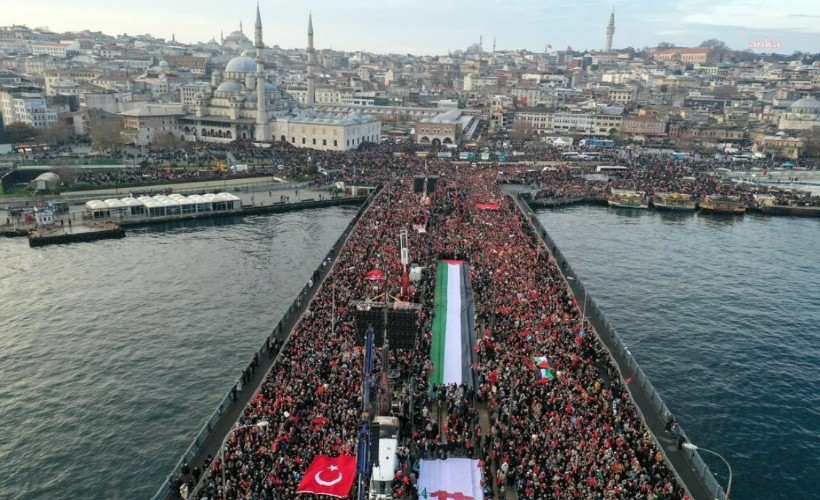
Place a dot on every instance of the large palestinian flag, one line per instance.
(453, 478)
(453, 331)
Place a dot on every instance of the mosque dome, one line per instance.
(806, 105)
(163, 64)
(241, 64)
(269, 87)
(229, 86)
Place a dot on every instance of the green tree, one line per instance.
(21, 132)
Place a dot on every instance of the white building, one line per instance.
(56, 49)
(26, 105)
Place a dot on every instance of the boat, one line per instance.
(627, 199)
(722, 204)
(792, 209)
(677, 202)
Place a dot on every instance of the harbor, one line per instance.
(109, 218)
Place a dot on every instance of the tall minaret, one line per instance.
(610, 30)
(311, 61)
(262, 126)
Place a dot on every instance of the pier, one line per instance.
(55, 235)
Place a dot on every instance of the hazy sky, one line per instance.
(436, 26)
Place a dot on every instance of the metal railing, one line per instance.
(603, 327)
(279, 333)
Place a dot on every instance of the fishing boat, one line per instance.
(627, 199)
(677, 202)
(721, 204)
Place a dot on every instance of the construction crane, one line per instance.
(219, 165)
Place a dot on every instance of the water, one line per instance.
(722, 314)
(113, 354)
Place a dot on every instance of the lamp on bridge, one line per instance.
(261, 424)
(693, 447)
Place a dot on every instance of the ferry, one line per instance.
(627, 199)
(674, 201)
(721, 204)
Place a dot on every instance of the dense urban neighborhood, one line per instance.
(140, 91)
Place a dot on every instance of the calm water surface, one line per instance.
(722, 314)
(113, 354)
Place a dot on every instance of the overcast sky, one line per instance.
(436, 26)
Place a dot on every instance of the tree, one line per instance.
(21, 132)
(521, 131)
(167, 141)
(106, 131)
(714, 44)
(60, 133)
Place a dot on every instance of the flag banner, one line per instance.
(543, 366)
(453, 330)
(329, 476)
(450, 479)
(376, 274)
(487, 206)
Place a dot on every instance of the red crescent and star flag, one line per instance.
(329, 476)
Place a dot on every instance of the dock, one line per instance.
(93, 231)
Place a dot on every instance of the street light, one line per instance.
(693, 447)
(261, 424)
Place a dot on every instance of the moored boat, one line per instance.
(678, 202)
(722, 204)
(627, 199)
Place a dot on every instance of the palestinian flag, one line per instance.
(453, 329)
(544, 367)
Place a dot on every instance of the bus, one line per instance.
(381, 478)
(610, 168)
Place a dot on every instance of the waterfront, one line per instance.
(721, 313)
(113, 354)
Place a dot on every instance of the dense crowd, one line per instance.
(577, 436)
(653, 174)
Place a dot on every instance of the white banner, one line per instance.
(450, 479)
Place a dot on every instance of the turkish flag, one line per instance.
(329, 476)
(376, 274)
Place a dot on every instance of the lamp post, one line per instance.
(693, 447)
(261, 424)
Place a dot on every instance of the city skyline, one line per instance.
(424, 27)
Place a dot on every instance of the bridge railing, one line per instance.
(603, 327)
(279, 332)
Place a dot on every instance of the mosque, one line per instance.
(803, 114)
(240, 103)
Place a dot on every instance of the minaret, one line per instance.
(311, 61)
(493, 45)
(262, 128)
(610, 30)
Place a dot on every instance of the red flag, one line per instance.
(376, 274)
(628, 380)
(549, 46)
(487, 206)
(329, 476)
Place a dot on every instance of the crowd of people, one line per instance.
(653, 174)
(577, 435)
